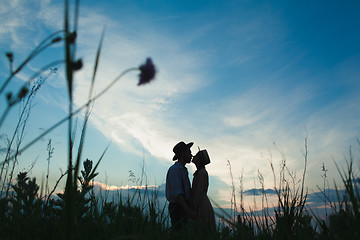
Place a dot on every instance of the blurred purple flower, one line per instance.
(147, 72)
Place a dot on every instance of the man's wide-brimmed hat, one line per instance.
(179, 148)
(204, 156)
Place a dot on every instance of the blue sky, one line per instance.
(247, 80)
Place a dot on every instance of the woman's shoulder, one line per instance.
(202, 172)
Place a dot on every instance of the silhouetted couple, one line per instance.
(185, 201)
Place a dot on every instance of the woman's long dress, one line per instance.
(199, 199)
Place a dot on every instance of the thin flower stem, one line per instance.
(76, 23)
(35, 75)
(112, 83)
(35, 52)
(74, 112)
(46, 67)
(87, 111)
(56, 184)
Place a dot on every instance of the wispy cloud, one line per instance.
(253, 120)
(128, 113)
(20, 22)
(259, 191)
(3, 150)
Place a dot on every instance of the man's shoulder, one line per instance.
(175, 166)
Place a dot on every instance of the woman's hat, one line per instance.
(179, 148)
(204, 156)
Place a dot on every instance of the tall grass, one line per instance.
(290, 217)
(344, 220)
(26, 216)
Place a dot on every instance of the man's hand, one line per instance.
(191, 214)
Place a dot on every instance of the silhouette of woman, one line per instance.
(200, 202)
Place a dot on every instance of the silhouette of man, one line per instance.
(178, 186)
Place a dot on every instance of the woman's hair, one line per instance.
(201, 160)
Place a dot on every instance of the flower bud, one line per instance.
(23, 92)
(72, 37)
(57, 39)
(77, 65)
(10, 56)
(8, 96)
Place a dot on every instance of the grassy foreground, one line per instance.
(25, 214)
